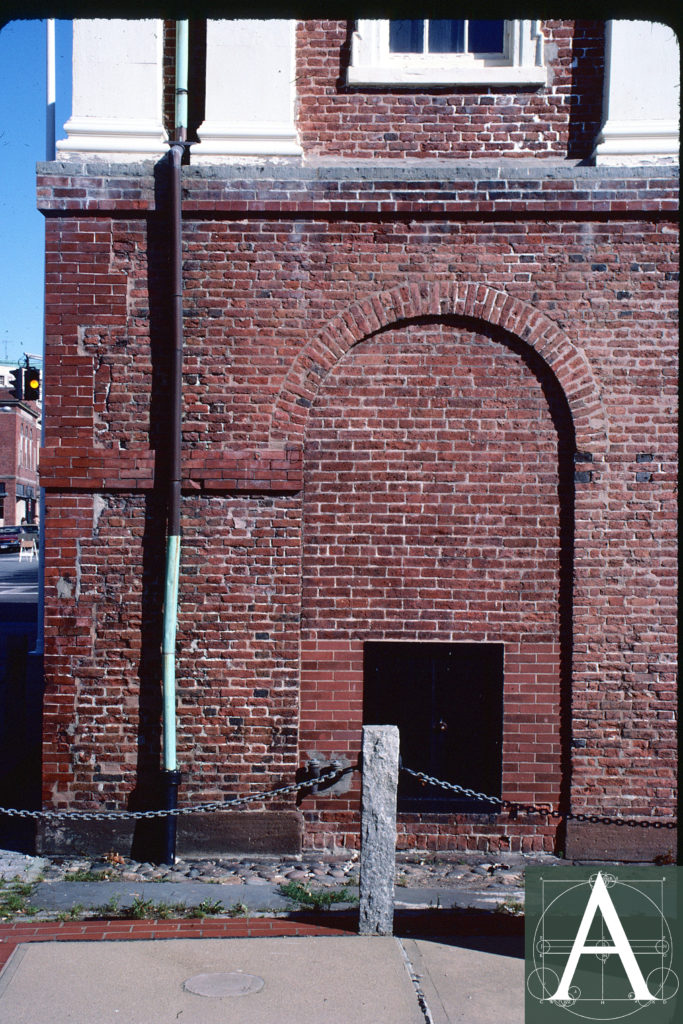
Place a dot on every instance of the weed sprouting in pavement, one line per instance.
(74, 913)
(83, 875)
(515, 908)
(207, 908)
(143, 910)
(14, 897)
(316, 899)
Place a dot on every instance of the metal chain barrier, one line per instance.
(509, 805)
(215, 805)
(333, 775)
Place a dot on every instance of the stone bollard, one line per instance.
(378, 829)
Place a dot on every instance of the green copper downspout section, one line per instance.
(170, 774)
(168, 651)
(182, 50)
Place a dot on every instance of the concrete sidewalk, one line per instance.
(262, 898)
(290, 980)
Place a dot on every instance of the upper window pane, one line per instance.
(446, 36)
(486, 37)
(406, 36)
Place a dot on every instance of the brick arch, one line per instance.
(406, 302)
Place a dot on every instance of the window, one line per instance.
(483, 38)
(423, 52)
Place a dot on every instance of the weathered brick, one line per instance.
(386, 382)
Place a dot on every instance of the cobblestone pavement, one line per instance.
(454, 873)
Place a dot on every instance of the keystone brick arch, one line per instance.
(371, 314)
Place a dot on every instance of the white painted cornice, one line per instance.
(253, 139)
(113, 136)
(639, 141)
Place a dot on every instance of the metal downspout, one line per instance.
(171, 775)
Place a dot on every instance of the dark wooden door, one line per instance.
(447, 701)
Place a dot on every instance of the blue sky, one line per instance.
(22, 145)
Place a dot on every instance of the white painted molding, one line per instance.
(641, 100)
(113, 136)
(250, 91)
(372, 63)
(259, 139)
(117, 89)
(638, 142)
(485, 75)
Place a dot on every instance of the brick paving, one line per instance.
(15, 932)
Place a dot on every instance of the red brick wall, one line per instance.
(308, 308)
(107, 557)
(558, 120)
(19, 445)
(8, 454)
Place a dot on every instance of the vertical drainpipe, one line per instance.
(171, 775)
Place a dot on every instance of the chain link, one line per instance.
(509, 805)
(176, 812)
(294, 787)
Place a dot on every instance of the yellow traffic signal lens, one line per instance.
(31, 384)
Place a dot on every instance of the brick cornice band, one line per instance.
(86, 468)
(383, 188)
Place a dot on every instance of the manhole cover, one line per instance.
(234, 983)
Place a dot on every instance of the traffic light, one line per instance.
(31, 384)
(17, 383)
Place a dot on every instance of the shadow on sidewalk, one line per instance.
(484, 930)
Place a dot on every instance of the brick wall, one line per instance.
(488, 364)
(19, 445)
(8, 454)
(560, 119)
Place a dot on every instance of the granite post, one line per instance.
(378, 829)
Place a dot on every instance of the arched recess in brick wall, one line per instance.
(569, 365)
(338, 573)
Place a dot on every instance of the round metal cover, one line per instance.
(234, 983)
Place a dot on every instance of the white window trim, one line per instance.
(373, 64)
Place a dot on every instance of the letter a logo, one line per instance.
(600, 900)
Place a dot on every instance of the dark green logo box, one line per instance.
(603, 943)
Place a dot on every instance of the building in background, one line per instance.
(19, 450)
(429, 442)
